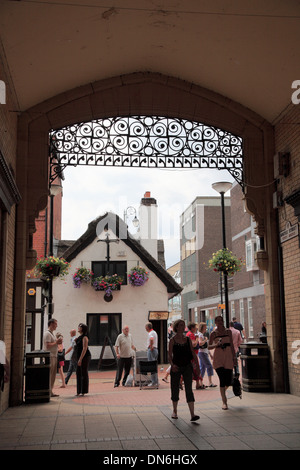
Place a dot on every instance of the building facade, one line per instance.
(245, 288)
(201, 235)
(107, 237)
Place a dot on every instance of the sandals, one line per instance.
(165, 380)
(174, 416)
(201, 387)
(224, 407)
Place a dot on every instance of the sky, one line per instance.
(90, 191)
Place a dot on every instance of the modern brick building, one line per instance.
(201, 299)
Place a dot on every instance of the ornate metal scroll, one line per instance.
(142, 141)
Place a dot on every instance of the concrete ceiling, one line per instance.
(246, 50)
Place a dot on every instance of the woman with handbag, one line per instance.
(203, 354)
(224, 356)
(61, 359)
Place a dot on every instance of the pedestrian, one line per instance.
(50, 343)
(83, 360)
(61, 359)
(73, 358)
(237, 340)
(152, 351)
(181, 354)
(192, 334)
(204, 355)
(124, 347)
(224, 358)
(238, 326)
(4, 366)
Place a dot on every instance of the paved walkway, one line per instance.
(130, 419)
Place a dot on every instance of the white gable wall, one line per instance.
(71, 305)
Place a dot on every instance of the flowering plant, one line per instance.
(50, 266)
(224, 261)
(138, 276)
(107, 283)
(82, 275)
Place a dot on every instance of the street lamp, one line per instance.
(222, 187)
(55, 189)
(131, 211)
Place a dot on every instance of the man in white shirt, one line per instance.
(152, 351)
(124, 346)
(50, 343)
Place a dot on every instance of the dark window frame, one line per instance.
(96, 337)
(99, 268)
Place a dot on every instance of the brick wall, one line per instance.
(8, 138)
(208, 280)
(287, 139)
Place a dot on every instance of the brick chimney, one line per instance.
(147, 233)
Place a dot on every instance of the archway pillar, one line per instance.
(259, 201)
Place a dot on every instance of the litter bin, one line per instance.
(255, 359)
(37, 377)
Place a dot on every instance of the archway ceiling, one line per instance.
(247, 51)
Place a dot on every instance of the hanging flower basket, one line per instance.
(224, 261)
(138, 276)
(107, 283)
(108, 297)
(82, 275)
(50, 267)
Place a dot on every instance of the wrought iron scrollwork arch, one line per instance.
(145, 141)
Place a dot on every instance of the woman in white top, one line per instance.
(204, 355)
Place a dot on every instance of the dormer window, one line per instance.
(100, 268)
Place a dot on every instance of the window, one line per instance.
(101, 325)
(99, 268)
(242, 312)
(232, 309)
(250, 317)
(251, 249)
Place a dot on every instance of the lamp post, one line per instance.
(55, 189)
(131, 211)
(222, 187)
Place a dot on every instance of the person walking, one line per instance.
(203, 354)
(73, 358)
(181, 354)
(61, 359)
(224, 356)
(50, 343)
(124, 347)
(83, 360)
(192, 334)
(237, 340)
(152, 351)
